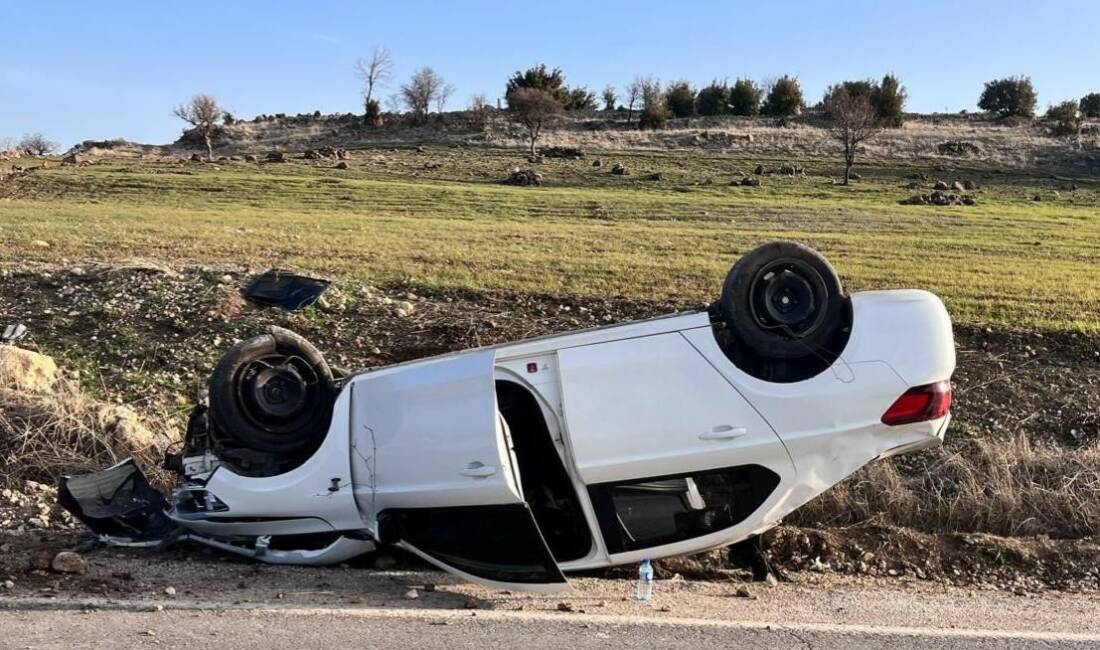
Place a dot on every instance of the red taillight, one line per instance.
(920, 404)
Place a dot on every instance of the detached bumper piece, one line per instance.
(118, 505)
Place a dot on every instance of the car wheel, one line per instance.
(273, 394)
(783, 300)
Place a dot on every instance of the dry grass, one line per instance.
(46, 435)
(1006, 487)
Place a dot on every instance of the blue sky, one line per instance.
(77, 70)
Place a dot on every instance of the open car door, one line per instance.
(432, 461)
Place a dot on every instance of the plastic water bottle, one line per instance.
(645, 582)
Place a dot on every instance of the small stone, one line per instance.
(69, 562)
(9, 585)
(170, 591)
(40, 243)
(405, 309)
(565, 607)
(412, 594)
(743, 592)
(41, 560)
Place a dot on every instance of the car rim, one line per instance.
(275, 392)
(788, 295)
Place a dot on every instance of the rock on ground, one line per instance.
(25, 370)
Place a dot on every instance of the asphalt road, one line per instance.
(39, 626)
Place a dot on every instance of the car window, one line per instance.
(662, 510)
(495, 542)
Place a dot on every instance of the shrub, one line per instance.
(228, 119)
(745, 98)
(609, 98)
(713, 99)
(889, 102)
(1008, 97)
(1067, 120)
(655, 111)
(1090, 105)
(373, 114)
(579, 99)
(680, 99)
(784, 98)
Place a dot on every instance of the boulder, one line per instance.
(343, 164)
(750, 181)
(957, 186)
(562, 152)
(524, 178)
(196, 157)
(759, 171)
(72, 159)
(969, 185)
(958, 148)
(618, 169)
(941, 186)
(69, 562)
(25, 370)
(597, 163)
(276, 157)
(249, 158)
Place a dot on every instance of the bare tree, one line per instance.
(852, 120)
(533, 108)
(36, 144)
(480, 109)
(394, 103)
(445, 92)
(203, 113)
(633, 93)
(376, 70)
(422, 89)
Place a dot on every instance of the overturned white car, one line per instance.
(512, 464)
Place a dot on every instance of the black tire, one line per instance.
(783, 300)
(273, 393)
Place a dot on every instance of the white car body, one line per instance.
(632, 410)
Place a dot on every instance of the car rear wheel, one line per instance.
(272, 394)
(783, 300)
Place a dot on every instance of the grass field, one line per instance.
(441, 219)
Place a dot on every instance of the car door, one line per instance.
(432, 462)
(649, 422)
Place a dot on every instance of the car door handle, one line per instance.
(478, 470)
(723, 432)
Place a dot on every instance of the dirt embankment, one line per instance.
(1012, 500)
(948, 139)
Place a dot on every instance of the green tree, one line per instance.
(1066, 117)
(609, 98)
(713, 99)
(680, 99)
(784, 99)
(551, 81)
(655, 111)
(1012, 96)
(1090, 105)
(745, 98)
(888, 98)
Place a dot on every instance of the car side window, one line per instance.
(650, 512)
